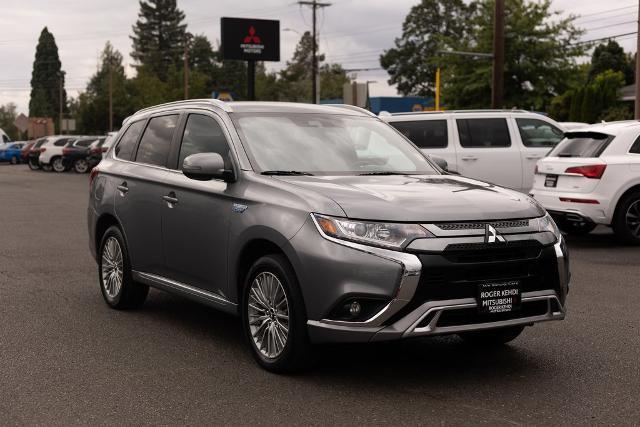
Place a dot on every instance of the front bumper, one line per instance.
(428, 303)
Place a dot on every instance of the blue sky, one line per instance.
(353, 32)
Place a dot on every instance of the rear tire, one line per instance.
(278, 316)
(33, 166)
(492, 337)
(573, 228)
(114, 273)
(81, 166)
(14, 160)
(626, 223)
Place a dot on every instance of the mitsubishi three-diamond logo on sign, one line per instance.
(491, 235)
(252, 43)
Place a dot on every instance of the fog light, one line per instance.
(354, 309)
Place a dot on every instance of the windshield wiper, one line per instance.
(382, 173)
(286, 173)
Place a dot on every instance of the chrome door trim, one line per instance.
(209, 298)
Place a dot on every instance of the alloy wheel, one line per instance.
(633, 218)
(57, 165)
(14, 160)
(81, 166)
(112, 267)
(268, 312)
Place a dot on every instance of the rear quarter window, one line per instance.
(425, 133)
(635, 148)
(127, 143)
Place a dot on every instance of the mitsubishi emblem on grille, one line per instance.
(491, 235)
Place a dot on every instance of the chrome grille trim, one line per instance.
(450, 226)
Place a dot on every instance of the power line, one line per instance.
(607, 11)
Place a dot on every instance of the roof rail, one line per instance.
(215, 102)
(463, 111)
(352, 108)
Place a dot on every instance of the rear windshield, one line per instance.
(582, 144)
(40, 142)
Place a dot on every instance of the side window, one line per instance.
(202, 134)
(5, 138)
(127, 143)
(635, 148)
(156, 140)
(537, 133)
(61, 142)
(483, 133)
(425, 133)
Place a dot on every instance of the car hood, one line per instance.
(417, 198)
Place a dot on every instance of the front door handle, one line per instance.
(122, 188)
(171, 199)
(469, 158)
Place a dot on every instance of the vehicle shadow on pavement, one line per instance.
(601, 238)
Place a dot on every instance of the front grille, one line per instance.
(455, 276)
(470, 316)
(492, 252)
(453, 226)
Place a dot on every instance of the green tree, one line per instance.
(7, 117)
(159, 36)
(46, 79)
(611, 56)
(575, 110)
(430, 26)
(540, 52)
(92, 106)
(332, 79)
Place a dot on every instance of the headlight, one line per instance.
(390, 235)
(546, 223)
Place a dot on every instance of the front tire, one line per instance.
(33, 166)
(58, 165)
(492, 337)
(626, 223)
(114, 270)
(273, 316)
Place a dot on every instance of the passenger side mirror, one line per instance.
(442, 163)
(206, 166)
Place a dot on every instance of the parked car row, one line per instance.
(61, 153)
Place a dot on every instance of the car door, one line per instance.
(195, 214)
(537, 137)
(431, 136)
(484, 151)
(139, 183)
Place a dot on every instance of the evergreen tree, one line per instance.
(611, 56)
(575, 111)
(45, 79)
(159, 36)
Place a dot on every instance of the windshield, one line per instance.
(324, 144)
(582, 144)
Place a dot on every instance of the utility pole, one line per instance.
(60, 76)
(637, 103)
(498, 55)
(314, 4)
(186, 70)
(110, 94)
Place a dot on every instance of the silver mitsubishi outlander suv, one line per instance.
(316, 224)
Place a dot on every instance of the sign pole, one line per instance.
(251, 80)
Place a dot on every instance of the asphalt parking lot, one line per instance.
(65, 358)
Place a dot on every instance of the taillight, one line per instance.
(42, 150)
(104, 149)
(590, 171)
(92, 175)
(65, 151)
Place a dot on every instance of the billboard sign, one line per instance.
(250, 39)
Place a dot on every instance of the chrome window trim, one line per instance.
(411, 269)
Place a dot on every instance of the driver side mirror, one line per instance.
(442, 163)
(205, 167)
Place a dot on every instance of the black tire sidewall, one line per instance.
(116, 302)
(297, 340)
(620, 221)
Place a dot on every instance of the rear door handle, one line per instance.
(122, 188)
(171, 199)
(469, 158)
(533, 157)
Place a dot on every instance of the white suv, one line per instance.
(497, 146)
(593, 177)
(51, 152)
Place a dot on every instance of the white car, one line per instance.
(51, 152)
(567, 126)
(4, 138)
(496, 146)
(593, 177)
